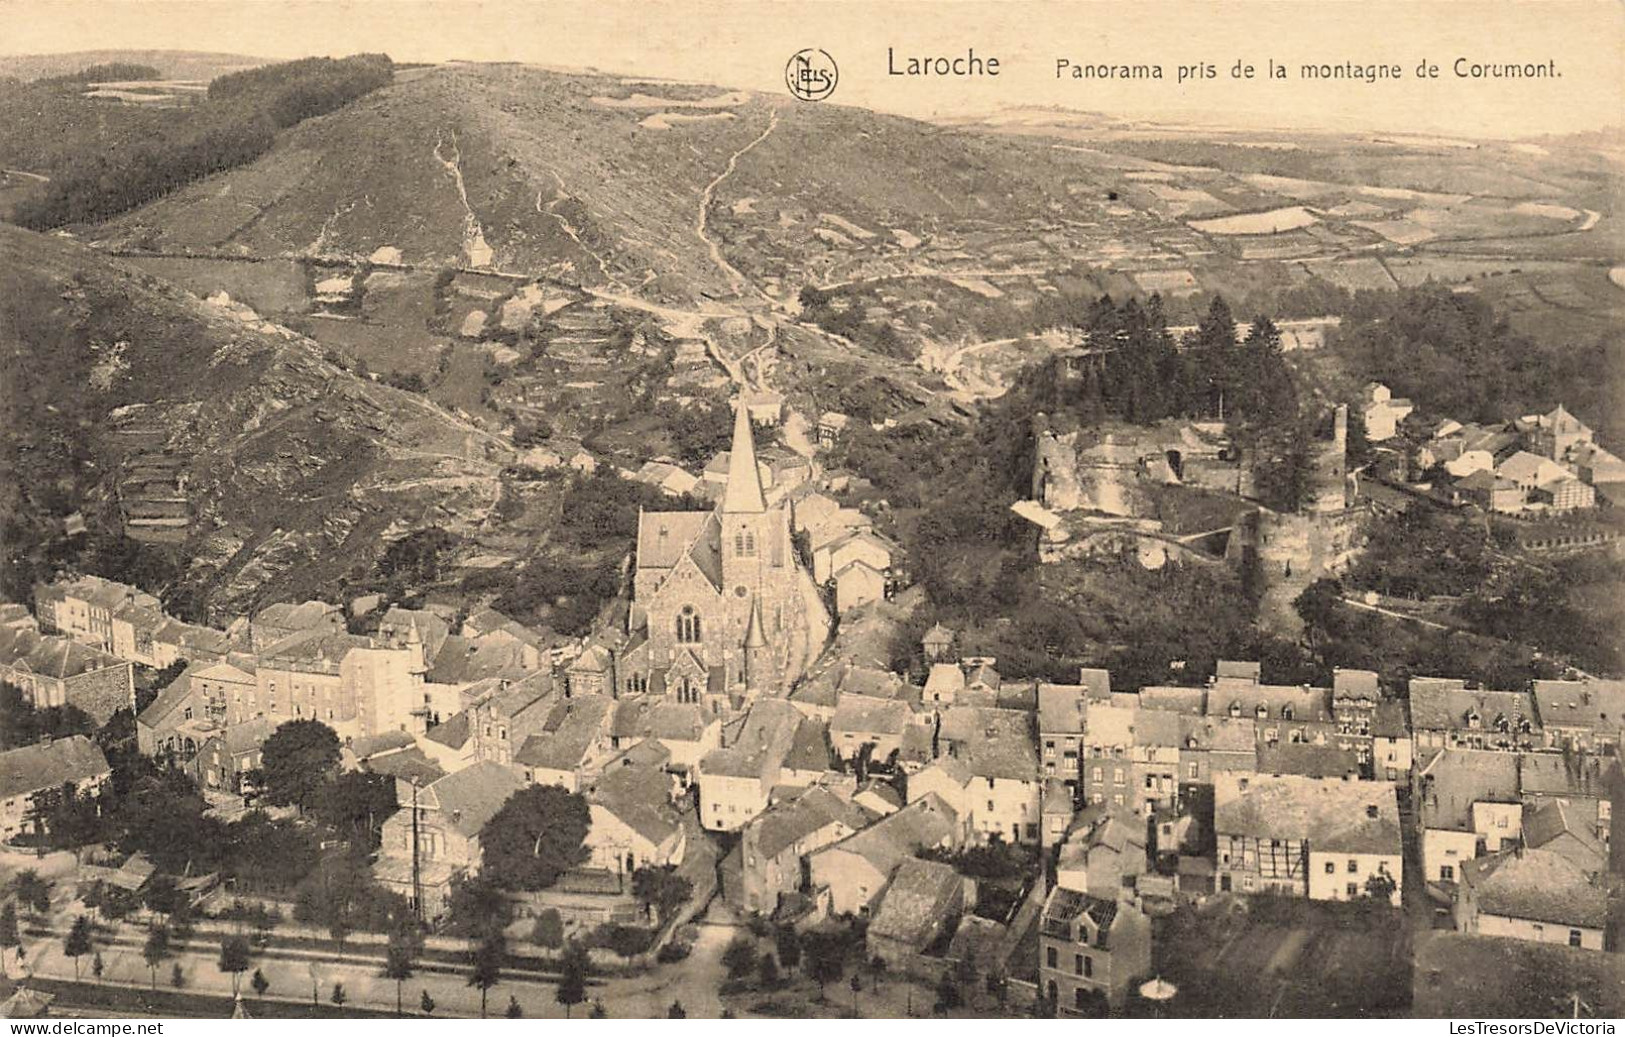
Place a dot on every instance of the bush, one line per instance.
(624, 940)
(674, 951)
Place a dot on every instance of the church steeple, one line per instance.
(744, 492)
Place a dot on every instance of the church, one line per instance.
(722, 610)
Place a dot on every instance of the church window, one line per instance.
(744, 544)
(688, 626)
(740, 591)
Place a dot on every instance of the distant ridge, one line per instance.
(173, 64)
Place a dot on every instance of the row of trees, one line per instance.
(237, 124)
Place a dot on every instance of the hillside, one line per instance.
(172, 64)
(245, 461)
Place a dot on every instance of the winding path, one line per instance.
(735, 278)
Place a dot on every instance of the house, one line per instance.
(1533, 894)
(1285, 704)
(921, 904)
(1131, 757)
(859, 544)
(861, 721)
(1383, 412)
(1557, 435)
(775, 844)
(1573, 779)
(174, 720)
(1489, 491)
(811, 510)
(1105, 852)
(878, 797)
(765, 408)
(229, 754)
(82, 609)
(667, 478)
(1324, 839)
(857, 584)
(1554, 826)
(1446, 714)
(809, 758)
(503, 712)
(687, 732)
(573, 741)
(1091, 951)
(281, 621)
(1566, 493)
(230, 688)
(634, 823)
(1469, 806)
(937, 643)
(57, 671)
(998, 749)
(943, 684)
(855, 870)
(33, 775)
(1584, 715)
(1062, 713)
(831, 426)
(736, 779)
(1532, 473)
(420, 857)
(947, 778)
(450, 743)
(1392, 750)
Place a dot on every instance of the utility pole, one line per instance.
(417, 869)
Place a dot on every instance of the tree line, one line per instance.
(237, 124)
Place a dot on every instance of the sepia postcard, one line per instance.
(852, 510)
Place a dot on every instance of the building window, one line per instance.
(1051, 957)
(1077, 964)
(1574, 937)
(1088, 965)
(688, 626)
(744, 544)
(1353, 890)
(1331, 869)
(1447, 873)
(1354, 867)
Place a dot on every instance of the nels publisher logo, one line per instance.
(811, 74)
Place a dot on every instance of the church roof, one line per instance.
(744, 492)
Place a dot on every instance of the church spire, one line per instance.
(744, 491)
(754, 638)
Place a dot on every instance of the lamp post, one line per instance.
(417, 870)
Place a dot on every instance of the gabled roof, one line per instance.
(571, 731)
(1309, 760)
(664, 536)
(1545, 822)
(1355, 684)
(789, 821)
(1442, 704)
(1062, 708)
(915, 902)
(468, 798)
(994, 743)
(641, 798)
(1455, 779)
(924, 823)
(809, 749)
(1335, 816)
(1596, 704)
(1538, 886)
(945, 679)
(860, 714)
(452, 732)
(1305, 703)
(172, 697)
(50, 765)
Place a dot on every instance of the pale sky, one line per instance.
(746, 44)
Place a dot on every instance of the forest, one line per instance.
(105, 171)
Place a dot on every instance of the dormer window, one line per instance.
(1235, 709)
(1286, 712)
(1262, 712)
(1473, 718)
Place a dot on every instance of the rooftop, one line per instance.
(1538, 886)
(1332, 815)
(50, 765)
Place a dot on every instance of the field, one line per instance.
(1482, 977)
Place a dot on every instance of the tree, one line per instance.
(739, 957)
(661, 890)
(298, 760)
(856, 983)
(598, 1010)
(155, 950)
(77, 943)
(825, 958)
(339, 996)
(548, 930)
(1379, 887)
(355, 805)
(788, 943)
(97, 966)
(767, 971)
(259, 983)
(478, 908)
(177, 977)
(877, 971)
(513, 1011)
(33, 892)
(486, 969)
(572, 989)
(234, 955)
(535, 837)
(676, 1011)
(9, 935)
(426, 1004)
(400, 957)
